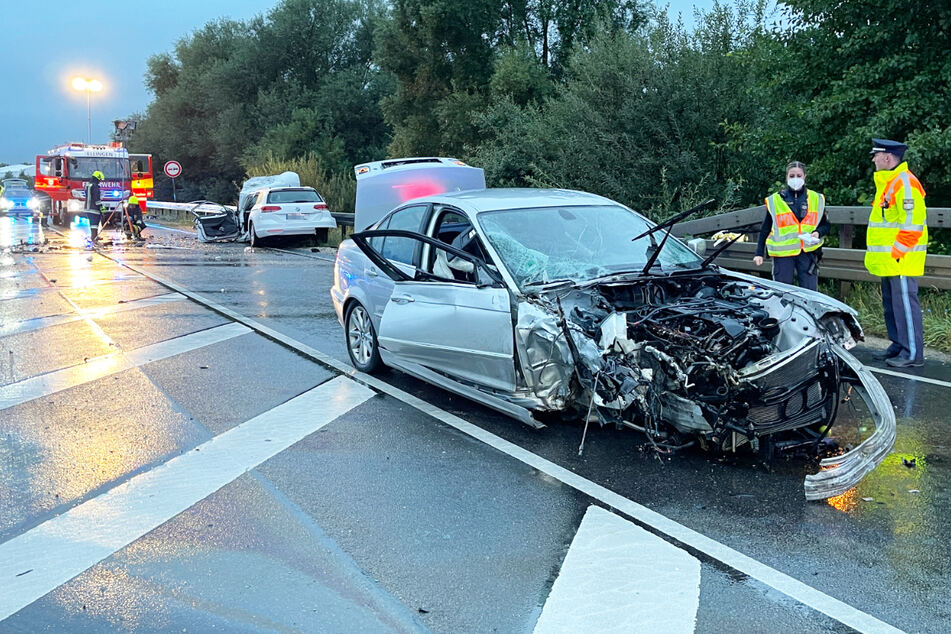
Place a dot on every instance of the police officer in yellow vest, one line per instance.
(897, 242)
(793, 230)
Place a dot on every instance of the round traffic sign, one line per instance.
(173, 169)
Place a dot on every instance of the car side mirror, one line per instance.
(698, 246)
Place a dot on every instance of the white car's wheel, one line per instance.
(361, 339)
(255, 240)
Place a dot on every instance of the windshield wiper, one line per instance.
(720, 249)
(668, 224)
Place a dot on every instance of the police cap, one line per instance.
(892, 147)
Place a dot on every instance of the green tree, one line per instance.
(835, 74)
(443, 52)
(642, 118)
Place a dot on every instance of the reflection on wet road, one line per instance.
(387, 518)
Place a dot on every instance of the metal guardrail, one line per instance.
(837, 264)
(843, 263)
(343, 218)
(938, 217)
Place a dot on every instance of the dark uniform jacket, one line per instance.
(93, 196)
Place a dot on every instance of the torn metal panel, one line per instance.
(544, 356)
(841, 473)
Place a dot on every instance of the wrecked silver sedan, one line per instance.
(535, 301)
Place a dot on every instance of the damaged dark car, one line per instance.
(549, 301)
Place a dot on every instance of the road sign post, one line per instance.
(173, 169)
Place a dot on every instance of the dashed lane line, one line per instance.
(791, 587)
(45, 557)
(618, 577)
(38, 323)
(59, 380)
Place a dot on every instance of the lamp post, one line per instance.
(89, 86)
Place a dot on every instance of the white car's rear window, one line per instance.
(294, 196)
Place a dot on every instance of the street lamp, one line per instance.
(89, 86)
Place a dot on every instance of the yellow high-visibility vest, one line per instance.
(897, 235)
(783, 240)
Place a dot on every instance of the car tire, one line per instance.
(361, 339)
(255, 241)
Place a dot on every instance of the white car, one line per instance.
(285, 211)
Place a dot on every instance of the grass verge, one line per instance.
(866, 298)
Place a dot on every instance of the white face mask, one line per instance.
(795, 183)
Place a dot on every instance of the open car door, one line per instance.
(451, 315)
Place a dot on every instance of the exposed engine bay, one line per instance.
(693, 359)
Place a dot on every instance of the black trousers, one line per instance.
(785, 268)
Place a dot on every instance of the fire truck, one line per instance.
(63, 172)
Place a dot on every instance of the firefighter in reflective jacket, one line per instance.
(897, 242)
(793, 230)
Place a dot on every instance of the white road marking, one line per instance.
(58, 380)
(910, 377)
(793, 588)
(617, 577)
(45, 557)
(38, 323)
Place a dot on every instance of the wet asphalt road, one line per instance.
(388, 519)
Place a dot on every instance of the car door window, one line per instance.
(401, 249)
(377, 242)
(444, 264)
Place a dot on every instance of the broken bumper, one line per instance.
(841, 473)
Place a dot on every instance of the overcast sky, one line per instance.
(44, 45)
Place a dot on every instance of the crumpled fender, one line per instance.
(841, 473)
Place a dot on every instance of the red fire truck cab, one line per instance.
(64, 171)
(143, 183)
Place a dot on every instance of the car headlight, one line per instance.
(5, 204)
(74, 205)
(34, 204)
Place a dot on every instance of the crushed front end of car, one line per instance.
(704, 358)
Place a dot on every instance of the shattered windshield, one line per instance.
(575, 243)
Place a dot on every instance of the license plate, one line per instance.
(294, 216)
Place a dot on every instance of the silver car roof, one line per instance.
(481, 200)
